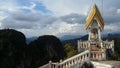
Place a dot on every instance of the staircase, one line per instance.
(81, 60)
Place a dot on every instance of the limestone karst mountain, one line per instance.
(12, 49)
(15, 53)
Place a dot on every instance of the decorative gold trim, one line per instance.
(94, 13)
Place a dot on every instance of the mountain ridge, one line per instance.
(85, 37)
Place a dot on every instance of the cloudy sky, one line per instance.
(56, 17)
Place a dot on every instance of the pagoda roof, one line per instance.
(94, 14)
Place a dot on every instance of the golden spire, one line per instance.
(94, 14)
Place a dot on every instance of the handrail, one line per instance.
(75, 56)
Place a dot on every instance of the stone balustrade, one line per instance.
(73, 61)
(54, 65)
(84, 45)
(97, 55)
(108, 45)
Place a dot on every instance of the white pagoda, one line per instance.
(98, 48)
(92, 49)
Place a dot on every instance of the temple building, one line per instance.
(90, 50)
(97, 47)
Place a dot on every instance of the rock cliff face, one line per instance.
(12, 47)
(44, 49)
(15, 53)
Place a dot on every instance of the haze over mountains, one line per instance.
(82, 37)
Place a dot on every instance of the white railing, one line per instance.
(104, 44)
(97, 55)
(108, 45)
(73, 61)
(83, 44)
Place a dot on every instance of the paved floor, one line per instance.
(116, 64)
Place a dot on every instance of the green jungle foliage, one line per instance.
(116, 55)
(70, 50)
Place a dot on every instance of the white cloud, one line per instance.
(112, 28)
(34, 25)
(67, 16)
(2, 16)
(20, 20)
(62, 7)
(8, 5)
(118, 11)
(31, 7)
(56, 29)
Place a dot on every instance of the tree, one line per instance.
(70, 50)
(116, 55)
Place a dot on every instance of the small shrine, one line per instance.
(98, 48)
